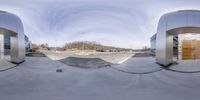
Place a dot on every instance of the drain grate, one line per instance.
(59, 70)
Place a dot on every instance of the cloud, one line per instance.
(127, 23)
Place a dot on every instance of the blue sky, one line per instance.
(121, 23)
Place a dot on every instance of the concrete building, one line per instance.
(12, 32)
(169, 27)
(28, 44)
(153, 44)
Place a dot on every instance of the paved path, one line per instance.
(37, 79)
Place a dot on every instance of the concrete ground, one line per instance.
(187, 66)
(5, 65)
(37, 79)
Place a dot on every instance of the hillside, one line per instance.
(87, 45)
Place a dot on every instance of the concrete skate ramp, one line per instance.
(5, 65)
(138, 65)
(85, 62)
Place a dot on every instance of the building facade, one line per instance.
(175, 46)
(7, 44)
(12, 39)
(171, 25)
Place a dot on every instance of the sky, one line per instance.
(119, 23)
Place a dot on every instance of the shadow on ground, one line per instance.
(142, 55)
(35, 54)
(90, 63)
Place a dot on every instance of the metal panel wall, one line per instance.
(12, 25)
(170, 24)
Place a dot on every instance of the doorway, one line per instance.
(5, 47)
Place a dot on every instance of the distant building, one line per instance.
(153, 44)
(28, 44)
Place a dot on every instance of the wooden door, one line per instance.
(188, 49)
(197, 49)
